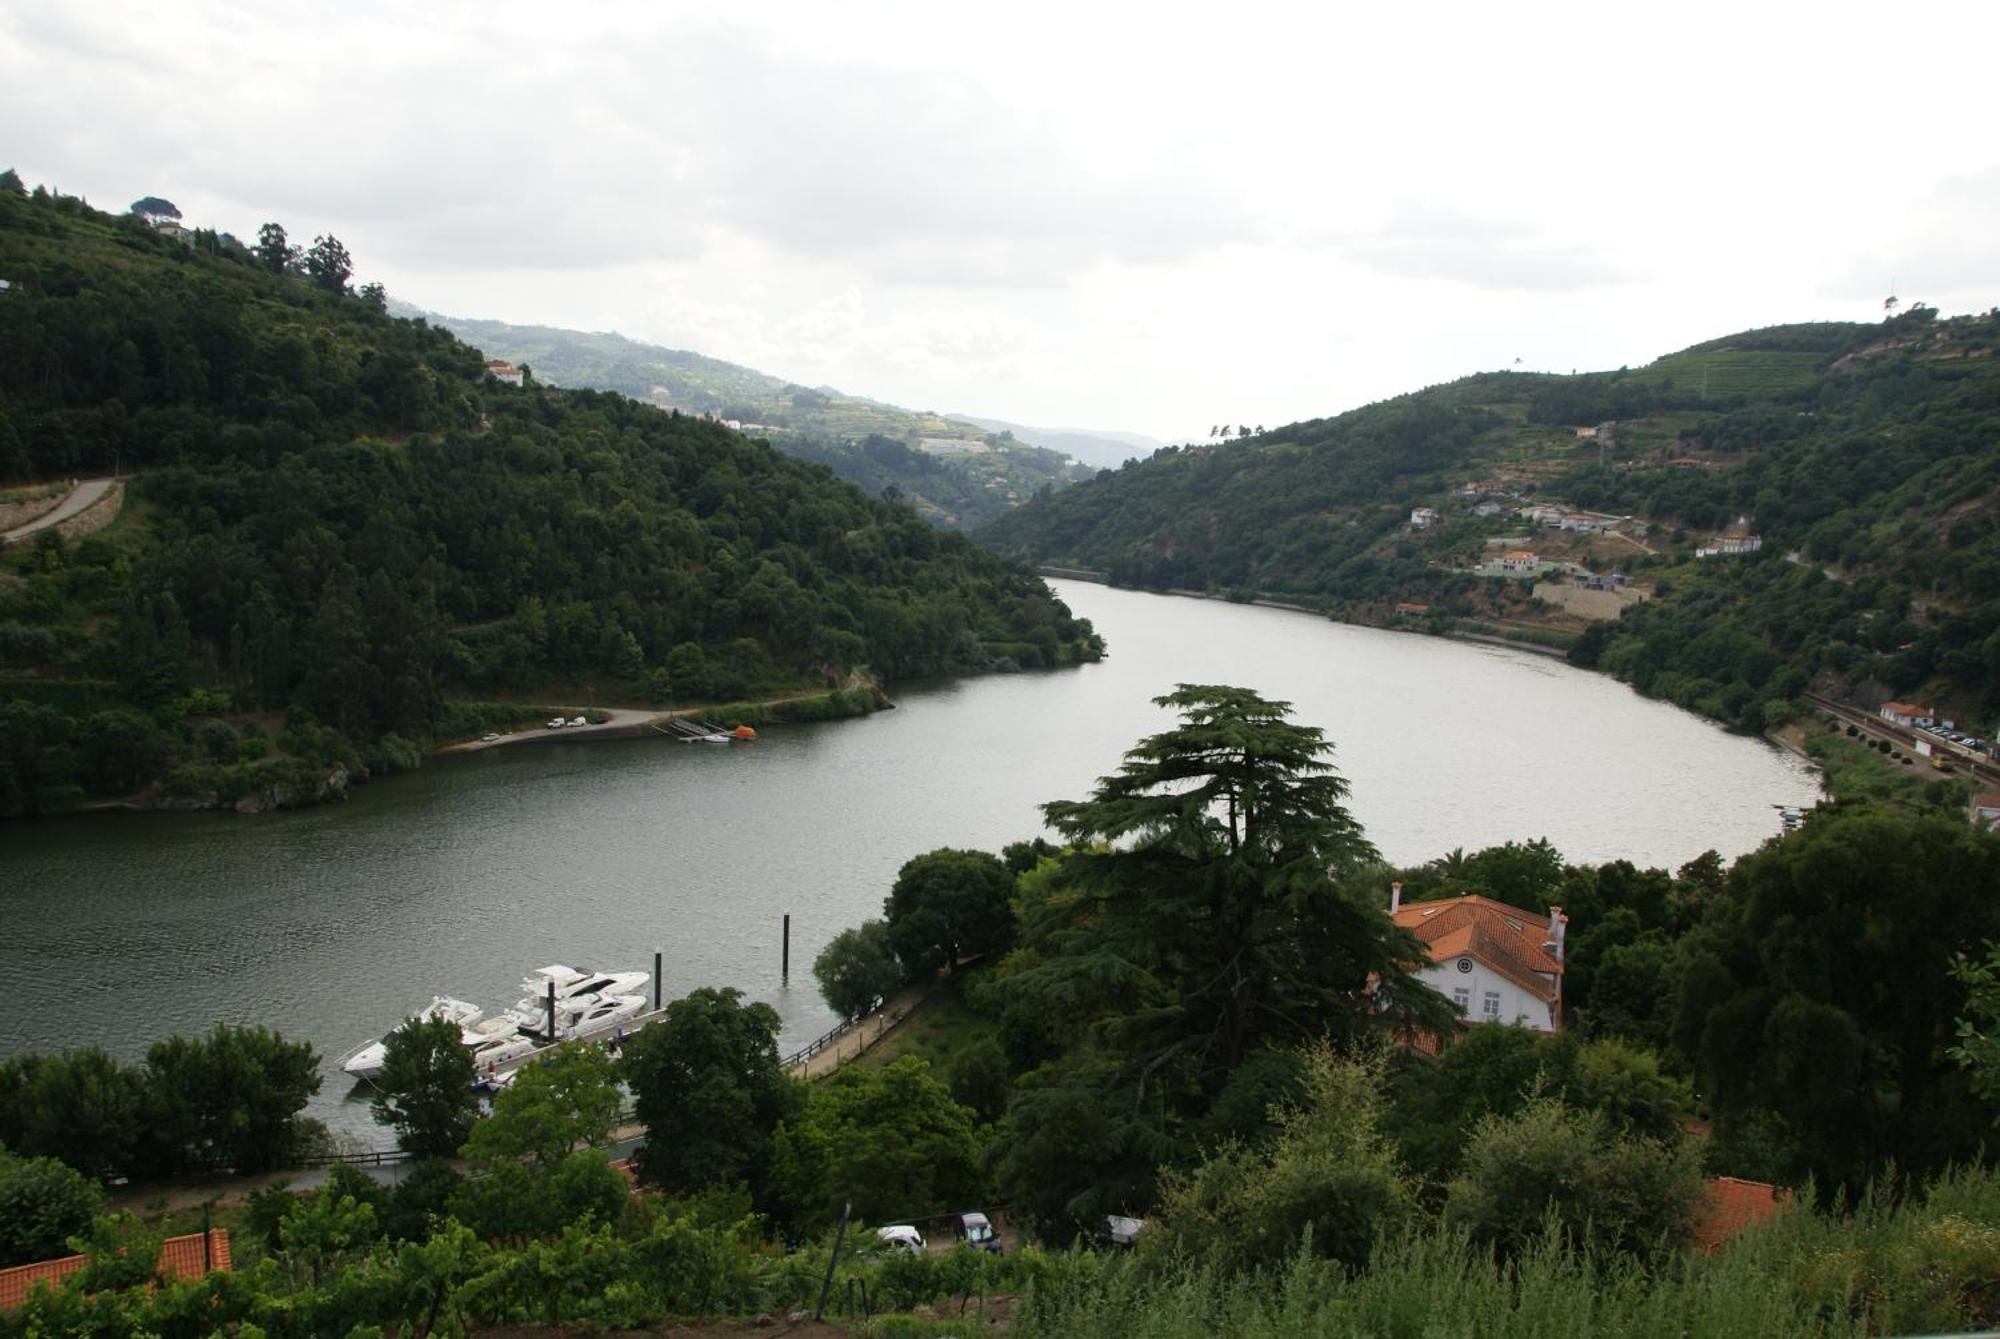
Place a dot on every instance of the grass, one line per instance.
(1855, 771)
(939, 1029)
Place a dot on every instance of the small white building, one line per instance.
(1905, 713)
(1520, 561)
(502, 370)
(1497, 963)
(1422, 518)
(1986, 808)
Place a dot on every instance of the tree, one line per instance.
(1610, 1193)
(891, 1142)
(375, 296)
(43, 1203)
(425, 1089)
(565, 1101)
(1219, 879)
(945, 905)
(857, 968)
(707, 1085)
(1329, 1170)
(229, 1099)
(153, 207)
(273, 251)
(86, 1109)
(328, 265)
(1817, 994)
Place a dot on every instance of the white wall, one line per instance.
(1516, 1004)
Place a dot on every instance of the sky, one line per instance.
(1147, 218)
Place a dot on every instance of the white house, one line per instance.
(1904, 713)
(1986, 808)
(1520, 560)
(502, 370)
(1497, 963)
(1422, 518)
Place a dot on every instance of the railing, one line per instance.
(820, 1043)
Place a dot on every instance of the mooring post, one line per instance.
(656, 980)
(839, 1234)
(552, 1013)
(785, 954)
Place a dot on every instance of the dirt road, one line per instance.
(80, 497)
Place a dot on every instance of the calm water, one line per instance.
(329, 923)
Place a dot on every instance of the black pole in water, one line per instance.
(656, 981)
(552, 1013)
(832, 1260)
(785, 955)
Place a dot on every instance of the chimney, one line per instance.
(1558, 924)
(1395, 898)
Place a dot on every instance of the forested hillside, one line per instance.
(954, 472)
(1843, 479)
(338, 531)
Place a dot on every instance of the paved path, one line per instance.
(80, 497)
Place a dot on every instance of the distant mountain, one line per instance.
(955, 473)
(1107, 450)
(1800, 506)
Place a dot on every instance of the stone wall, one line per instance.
(96, 516)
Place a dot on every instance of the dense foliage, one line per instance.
(228, 1100)
(337, 529)
(1866, 457)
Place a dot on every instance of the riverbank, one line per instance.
(860, 697)
(1264, 602)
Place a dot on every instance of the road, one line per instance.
(619, 721)
(80, 497)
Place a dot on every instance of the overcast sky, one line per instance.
(1132, 217)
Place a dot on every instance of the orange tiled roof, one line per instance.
(183, 1258)
(1728, 1205)
(18, 1282)
(180, 1258)
(1483, 928)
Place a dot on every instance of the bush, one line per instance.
(42, 1205)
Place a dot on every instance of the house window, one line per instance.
(1462, 997)
(1491, 1006)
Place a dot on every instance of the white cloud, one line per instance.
(1061, 213)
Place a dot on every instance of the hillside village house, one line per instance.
(1904, 713)
(1422, 518)
(1497, 963)
(502, 370)
(1520, 560)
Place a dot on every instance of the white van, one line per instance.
(901, 1237)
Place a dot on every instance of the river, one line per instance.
(329, 923)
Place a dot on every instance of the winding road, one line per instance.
(79, 499)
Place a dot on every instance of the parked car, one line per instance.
(976, 1231)
(557, 724)
(1122, 1231)
(580, 721)
(901, 1237)
(489, 738)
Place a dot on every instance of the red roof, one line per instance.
(1728, 1205)
(1502, 936)
(180, 1258)
(18, 1282)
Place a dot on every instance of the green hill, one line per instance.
(1865, 458)
(954, 472)
(339, 533)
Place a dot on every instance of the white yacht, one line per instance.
(366, 1063)
(570, 983)
(577, 1018)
